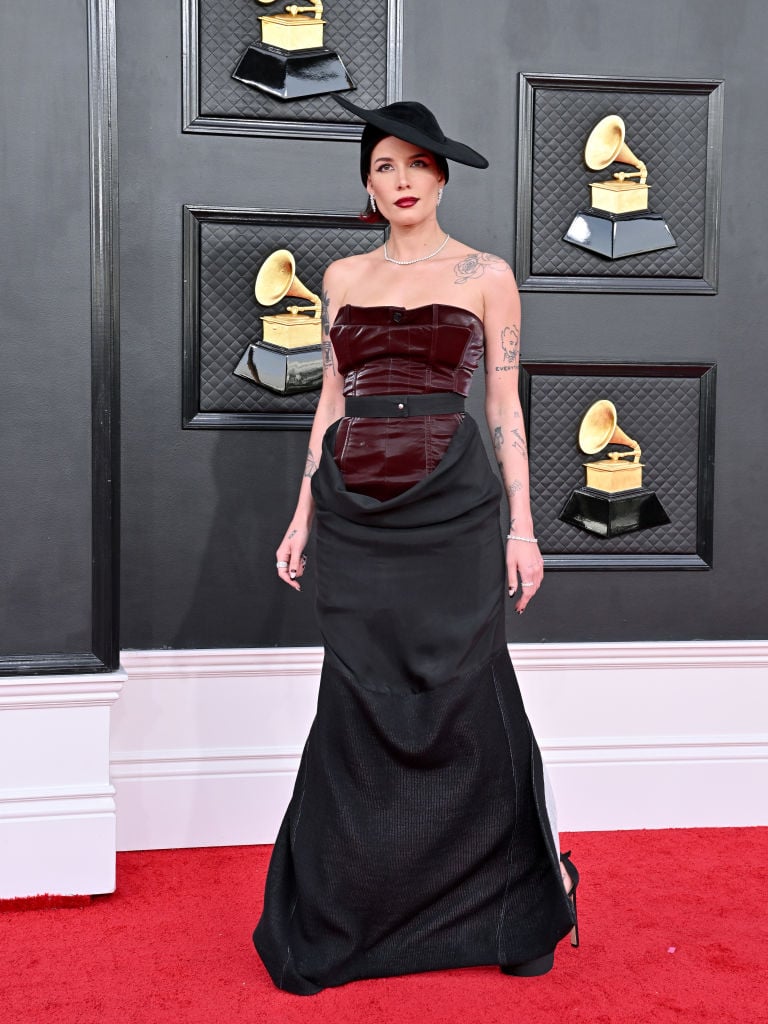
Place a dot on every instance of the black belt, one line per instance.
(379, 406)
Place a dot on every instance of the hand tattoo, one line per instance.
(311, 465)
(292, 534)
(475, 264)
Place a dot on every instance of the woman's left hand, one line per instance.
(524, 560)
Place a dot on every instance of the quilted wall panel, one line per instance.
(229, 319)
(675, 126)
(358, 32)
(660, 413)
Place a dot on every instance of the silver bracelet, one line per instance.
(528, 540)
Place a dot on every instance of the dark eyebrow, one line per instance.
(413, 156)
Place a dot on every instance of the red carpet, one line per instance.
(674, 927)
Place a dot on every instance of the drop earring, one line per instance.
(373, 201)
(439, 195)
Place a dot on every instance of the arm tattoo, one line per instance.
(513, 488)
(498, 438)
(311, 465)
(326, 347)
(510, 344)
(519, 442)
(475, 265)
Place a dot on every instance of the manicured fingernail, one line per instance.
(292, 574)
(511, 591)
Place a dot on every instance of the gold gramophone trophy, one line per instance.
(618, 222)
(614, 500)
(288, 359)
(291, 61)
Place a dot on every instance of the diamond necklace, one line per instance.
(405, 263)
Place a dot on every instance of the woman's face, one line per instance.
(404, 179)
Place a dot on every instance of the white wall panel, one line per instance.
(206, 744)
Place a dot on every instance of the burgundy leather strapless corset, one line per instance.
(389, 350)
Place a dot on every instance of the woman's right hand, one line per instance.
(290, 555)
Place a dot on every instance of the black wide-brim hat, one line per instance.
(412, 122)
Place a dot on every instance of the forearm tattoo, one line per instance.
(510, 346)
(326, 347)
(310, 466)
(498, 438)
(519, 442)
(475, 265)
(513, 488)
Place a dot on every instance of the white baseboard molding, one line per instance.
(206, 744)
(57, 804)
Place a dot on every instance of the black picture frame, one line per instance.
(566, 547)
(198, 359)
(104, 655)
(297, 118)
(555, 107)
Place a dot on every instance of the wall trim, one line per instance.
(206, 743)
(59, 802)
(60, 691)
(56, 795)
(604, 750)
(291, 661)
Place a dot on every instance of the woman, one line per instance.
(418, 836)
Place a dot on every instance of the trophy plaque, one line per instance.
(618, 222)
(614, 500)
(288, 358)
(291, 61)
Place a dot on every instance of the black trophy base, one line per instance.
(282, 370)
(615, 235)
(610, 515)
(292, 74)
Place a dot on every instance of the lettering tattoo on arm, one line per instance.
(326, 347)
(475, 265)
(310, 466)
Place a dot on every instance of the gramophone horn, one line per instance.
(277, 278)
(600, 428)
(606, 144)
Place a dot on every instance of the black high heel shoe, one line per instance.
(573, 874)
(544, 964)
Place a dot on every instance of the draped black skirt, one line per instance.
(417, 836)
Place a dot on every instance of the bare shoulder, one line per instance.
(342, 275)
(472, 265)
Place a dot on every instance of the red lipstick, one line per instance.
(406, 201)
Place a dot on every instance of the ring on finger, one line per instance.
(281, 565)
(528, 584)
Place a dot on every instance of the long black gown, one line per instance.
(417, 837)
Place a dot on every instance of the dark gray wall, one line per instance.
(204, 510)
(45, 328)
